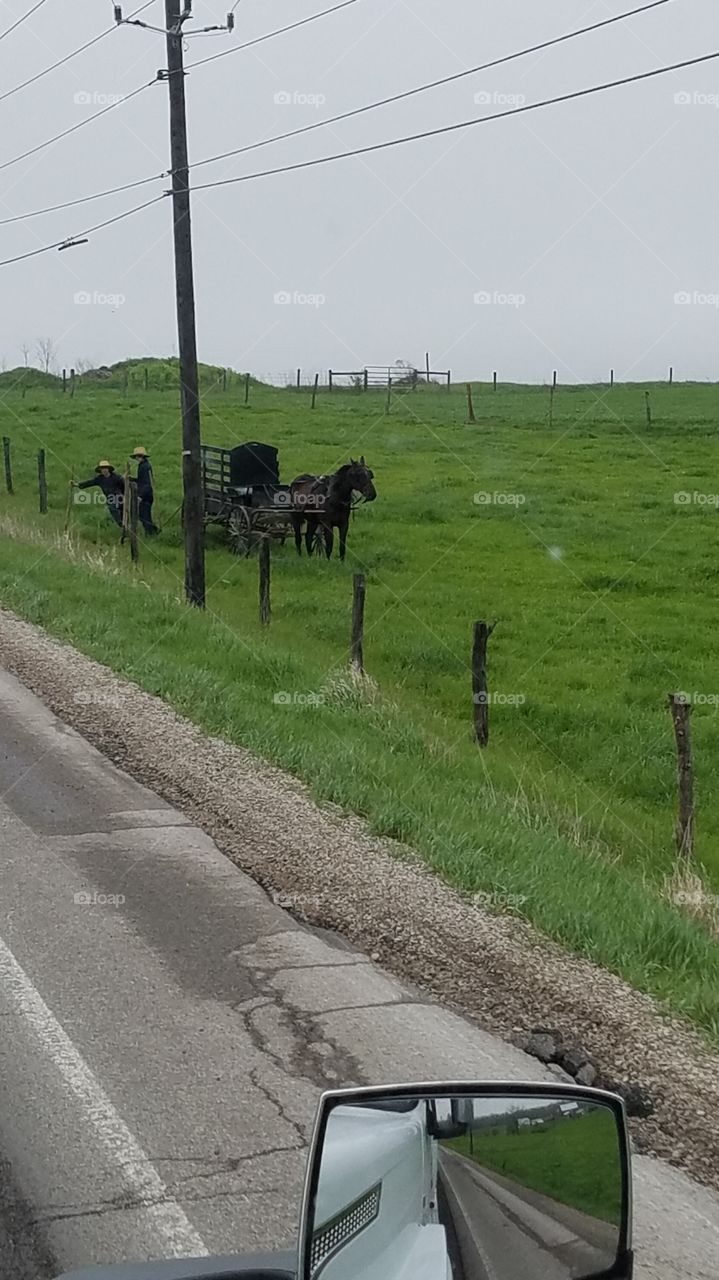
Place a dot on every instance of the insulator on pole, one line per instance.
(230, 22)
(118, 13)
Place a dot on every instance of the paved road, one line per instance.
(166, 1030)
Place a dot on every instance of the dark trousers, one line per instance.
(145, 514)
(115, 510)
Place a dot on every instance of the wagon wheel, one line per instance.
(240, 532)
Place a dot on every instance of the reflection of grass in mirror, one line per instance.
(574, 1161)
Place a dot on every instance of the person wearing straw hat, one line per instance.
(112, 485)
(145, 491)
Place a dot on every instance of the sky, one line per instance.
(579, 237)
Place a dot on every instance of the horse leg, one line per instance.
(297, 526)
(343, 538)
(329, 541)
(310, 532)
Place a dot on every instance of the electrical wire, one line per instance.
(68, 242)
(434, 84)
(269, 35)
(462, 124)
(346, 115)
(394, 142)
(69, 204)
(68, 57)
(24, 18)
(80, 125)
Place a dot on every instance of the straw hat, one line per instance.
(140, 452)
(104, 463)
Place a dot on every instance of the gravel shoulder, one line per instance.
(327, 869)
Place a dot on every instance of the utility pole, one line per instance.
(193, 513)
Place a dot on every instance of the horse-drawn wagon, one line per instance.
(242, 491)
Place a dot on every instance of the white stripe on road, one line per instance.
(176, 1236)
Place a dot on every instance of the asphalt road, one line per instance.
(166, 1030)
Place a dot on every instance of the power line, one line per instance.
(462, 124)
(293, 26)
(120, 101)
(434, 84)
(68, 57)
(395, 142)
(69, 204)
(346, 115)
(24, 18)
(69, 242)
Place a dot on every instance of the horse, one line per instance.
(325, 502)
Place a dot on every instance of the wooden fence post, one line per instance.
(42, 481)
(480, 696)
(224, 379)
(147, 378)
(72, 382)
(359, 588)
(611, 378)
(64, 381)
(554, 380)
(8, 463)
(70, 496)
(551, 406)
(649, 408)
(494, 380)
(264, 563)
(671, 375)
(681, 710)
(247, 388)
(314, 389)
(365, 378)
(449, 379)
(470, 404)
(330, 379)
(427, 365)
(389, 395)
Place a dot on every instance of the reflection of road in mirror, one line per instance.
(499, 1230)
(490, 1187)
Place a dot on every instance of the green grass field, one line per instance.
(602, 584)
(575, 1162)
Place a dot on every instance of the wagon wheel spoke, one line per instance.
(240, 532)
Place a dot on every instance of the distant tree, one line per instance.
(46, 352)
(83, 366)
(25, 348)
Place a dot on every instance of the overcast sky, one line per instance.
(557, 239)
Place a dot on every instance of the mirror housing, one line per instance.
(454, 1182)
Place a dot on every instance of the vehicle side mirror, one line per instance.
(457, 1182)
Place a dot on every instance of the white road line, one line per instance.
(176, 1236)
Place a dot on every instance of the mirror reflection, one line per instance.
(478, 1188)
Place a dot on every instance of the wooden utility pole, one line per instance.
(359, 588)
(480, 695)
(186, 330)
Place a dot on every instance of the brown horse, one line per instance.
(324, 503)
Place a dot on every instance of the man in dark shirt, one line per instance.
(113, 487)
(145, 491)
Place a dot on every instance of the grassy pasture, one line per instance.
(569, 535)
